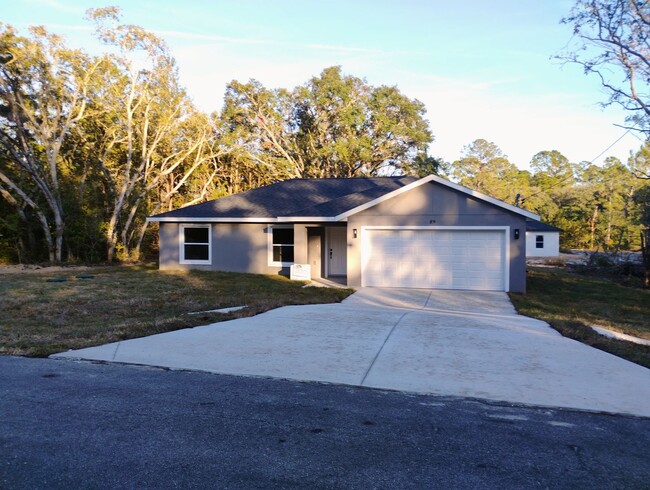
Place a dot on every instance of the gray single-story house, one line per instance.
(542, 239)
(383, 231)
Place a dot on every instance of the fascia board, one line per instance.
(311, 219)
(211, 220)
(282, 219)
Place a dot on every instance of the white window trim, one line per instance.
(269, 234)
(506, 243)
(538, 241)
(181, 245)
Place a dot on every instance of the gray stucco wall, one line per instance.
(436, 205)
(236, 247)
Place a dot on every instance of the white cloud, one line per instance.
(56, 5)
(212, 38)
(70, 28)
(340, 49)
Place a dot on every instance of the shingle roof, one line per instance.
(532, 225)
(294, 198)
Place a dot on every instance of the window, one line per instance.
(195, 243)
(280, 245)
(539, 241)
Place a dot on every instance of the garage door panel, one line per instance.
(443, 259)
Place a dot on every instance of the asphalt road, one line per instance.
(80, 425)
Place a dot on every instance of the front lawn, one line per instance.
(39, 318)
(571, 302)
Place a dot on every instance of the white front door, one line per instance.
(337, 244)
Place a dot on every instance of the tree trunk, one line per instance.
(138, 246)
(594, 219)
(645, 253)
(59, 227)
(111, 237)
(608, 236)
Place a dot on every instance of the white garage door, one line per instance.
(440, 259)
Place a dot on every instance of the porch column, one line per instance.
(300, 244)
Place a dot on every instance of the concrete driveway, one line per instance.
(459, 343)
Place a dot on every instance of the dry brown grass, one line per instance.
(38, 318)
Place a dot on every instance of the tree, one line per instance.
(612, 42)
(43, 88)
(423, 165)
(258, 124)
(152, 139)
(551, 169)
(335, 125)
(640, 167)
(348, 128)
(642, 197)
(610, 190)
(485, 168)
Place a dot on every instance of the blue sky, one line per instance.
(483, 69)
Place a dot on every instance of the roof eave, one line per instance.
(187, 219)
(311, 219)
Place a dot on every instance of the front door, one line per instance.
(314, 251)
(337, 245)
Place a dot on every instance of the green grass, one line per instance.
(38, 318)
(571, 302)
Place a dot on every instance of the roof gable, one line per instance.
(447, 183)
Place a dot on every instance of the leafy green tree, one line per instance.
(348, 128)
(423, 165)
(640, 167)
(485, 168)
(612, 188)
(551, 169)
(334, 126)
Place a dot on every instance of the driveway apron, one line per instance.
(452, 343)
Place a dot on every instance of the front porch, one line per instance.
(324, 248)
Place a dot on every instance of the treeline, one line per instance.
(598, 207)
(93, 144)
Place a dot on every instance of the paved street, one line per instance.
(83, 425)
